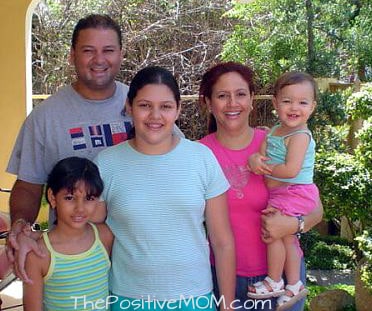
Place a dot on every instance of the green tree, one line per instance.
(325, 38)
(344, 179)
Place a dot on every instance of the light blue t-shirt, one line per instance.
(156, 208)
(276, 150)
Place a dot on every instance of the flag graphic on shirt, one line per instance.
(96, 137)
(116, 132)
(77, 138)
(109, 134)
(103, 135)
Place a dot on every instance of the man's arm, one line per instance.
(25, 200)
(100, 213)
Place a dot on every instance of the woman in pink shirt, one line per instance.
(227, 90)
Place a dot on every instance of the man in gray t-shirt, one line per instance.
(79, 120)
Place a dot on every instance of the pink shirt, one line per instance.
(245, 204)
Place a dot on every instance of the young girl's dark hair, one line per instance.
(153, 75)
(67, 172)
(211, 77)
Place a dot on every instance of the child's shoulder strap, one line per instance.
(306, 131)
(272, 130)
(95, 230)
(47, 242)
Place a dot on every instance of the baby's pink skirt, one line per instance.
(294, 200)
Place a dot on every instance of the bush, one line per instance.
(344, 179)
(327, 252)
(359, 104)
(327, 123)
(327, 257)
(346, 188)
(365, 245)
(330, 109)
(364, 150)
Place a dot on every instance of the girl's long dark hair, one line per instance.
(67, 172)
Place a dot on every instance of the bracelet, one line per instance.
(301, 225)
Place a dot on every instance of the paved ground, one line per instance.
(330, 277)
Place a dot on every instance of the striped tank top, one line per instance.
(77, 282)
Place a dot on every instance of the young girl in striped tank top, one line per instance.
(74, 273)
(287, 160)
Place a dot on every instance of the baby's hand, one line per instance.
(257, 164)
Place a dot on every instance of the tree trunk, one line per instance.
(310, 37)
(363, 295)
(355, 125)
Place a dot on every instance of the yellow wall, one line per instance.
(13, 82)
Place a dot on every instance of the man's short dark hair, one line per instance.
(95, 21)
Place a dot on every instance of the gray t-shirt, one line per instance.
(65, 125)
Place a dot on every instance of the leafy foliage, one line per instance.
(364, 150)
(327, 252)
(326, 256)
(330, 108)
(359, 104)
(328, 122)
(259, 37)
(325, 38)
(343, 178)
(365, 245)
(345, 187)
